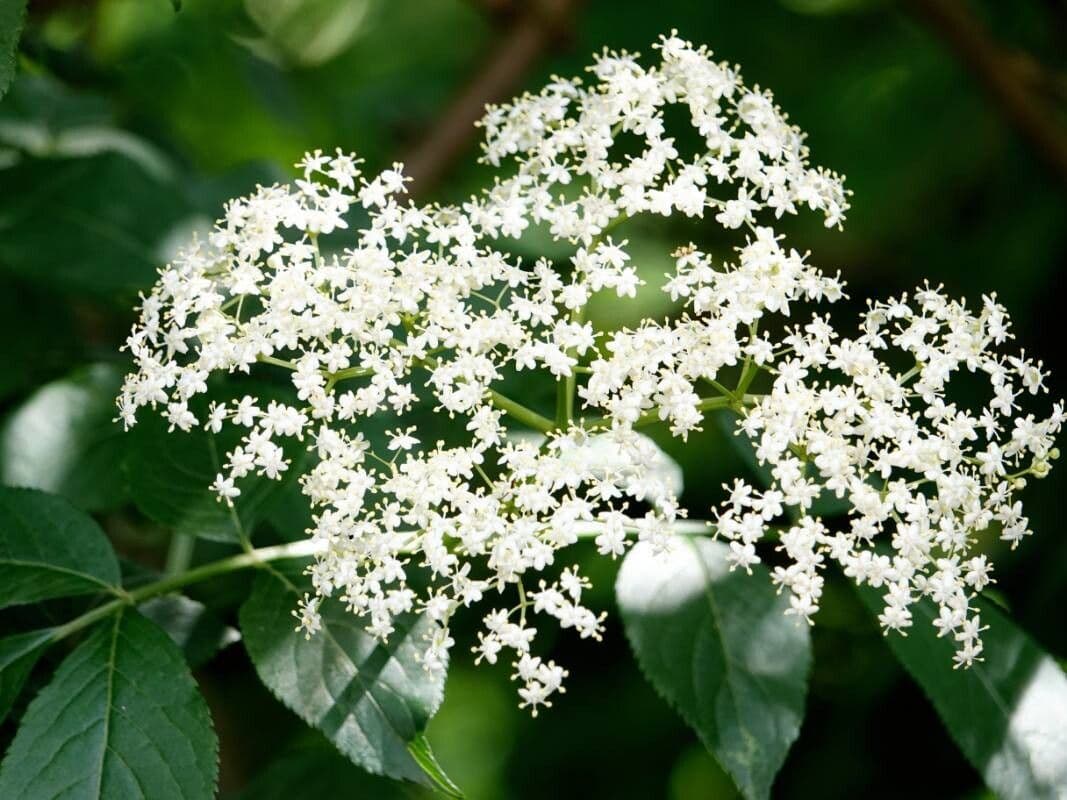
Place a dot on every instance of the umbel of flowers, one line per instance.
(428, 308)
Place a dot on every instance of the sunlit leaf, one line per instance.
(307, 32)
(718, 646)
(1006, 713)
(192, 626)
(371, 700)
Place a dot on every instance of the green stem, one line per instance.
(179, 554)
(651, 417)
(527, 416)
(513, 408)
(169, 583)
(564, 402)
(351, 372)
(278, 362)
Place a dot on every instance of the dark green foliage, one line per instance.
(1006, 712)
(122, 718)
(50, 549)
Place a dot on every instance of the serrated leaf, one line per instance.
(64, 439)
(12, 17)
(122, 718)
(18, 654)
(717, 645)
(169, 476)
(371, 700)
(48, 548)
(1007, 714)
(192, 626)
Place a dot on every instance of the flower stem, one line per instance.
(527, 416)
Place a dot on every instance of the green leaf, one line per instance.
(169, 475)
(64, 439)
(192, 626)
(117, 222)
(306, 33)
(1007, 714)
(12, 16)
(717, 645)
(371, 700)
(48, 548)
(122, 718)
(18, 654)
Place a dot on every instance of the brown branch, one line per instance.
(530, 34)
(999, 72)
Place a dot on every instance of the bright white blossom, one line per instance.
(427, 310)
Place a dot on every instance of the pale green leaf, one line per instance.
(64, 439)
(192, 626)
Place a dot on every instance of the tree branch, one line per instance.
(530, 34)
(999, 73)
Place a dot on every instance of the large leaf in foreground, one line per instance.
(48, 548)
(64, 439)
(1007, 714)
(121, 718)
(717, 645)
(372, 701)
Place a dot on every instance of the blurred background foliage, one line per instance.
(129, 124)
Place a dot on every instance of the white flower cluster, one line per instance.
(921, 474)
(426, 309)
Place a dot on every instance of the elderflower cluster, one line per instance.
(921, 474)
(424, 309)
